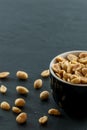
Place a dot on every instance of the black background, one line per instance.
(32, 32)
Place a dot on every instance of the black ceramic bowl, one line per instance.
(71, 97)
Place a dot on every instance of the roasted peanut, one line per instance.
(44, 95)
(45, 73)
(5, 105)
(60, 59)
(56, 67)
(42, 120)
(76, 80)
(38, 83)
(83, 54)
(54, 112)
(16, 110)
(21, 118)
(20, 102)
(72, 57)
(22, 90)
(3, 89)
(22, 75)
(84, 71)
(4, 74)
(83, 60)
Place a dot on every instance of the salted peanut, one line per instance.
(58, 75)
(3, 89)
(69, 68)
(84, 80)
(22, 90)
(61, 73)
(76, 80)
(77, 73)
(4, 74)
(54, 112)
(44, 95)
(64, 65)
(72, 57)
(56, 67)
(76, 67)
(84, 71)
(42, 120)
(60, 59)
(22, 75)
(45, 73)
(21, 118)
(83, 60)
(66, 75)
(38, 83)
(83, 54)
(20, 102)
(16, 110)
(5, 105)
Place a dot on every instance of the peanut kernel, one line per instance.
(16, 110)
(42, 120)
(5, 105)
(54, 112)
(44, 95)
(45, 73)
(22, 75)
(3, 89)
(4, 74)
(20, 102)
(37, 83)
(22, 90)
(21, 118)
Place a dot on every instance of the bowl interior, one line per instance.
(76, 52)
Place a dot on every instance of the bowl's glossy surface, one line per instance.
(71, 97)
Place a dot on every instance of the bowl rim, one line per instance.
(64, 54)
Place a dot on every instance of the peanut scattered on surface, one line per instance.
(38, 83)
(44, 95)
(16, 110)
(3, 89)
(22, 75)
(5, 105)
(45, 73)
(22, 90)
(42, 120)
(20, 102)
(4, 74)
(21, 118)
(54, 112)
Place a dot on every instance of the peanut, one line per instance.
(21, 118)
(20, 102)
(22, 90)
(5, 105)
(44, 95)
(22, 75)
(4, 74)
(3, 89)
(42, 120)
(38, 83)
(16, 110)
(54, 112)
(45, 73)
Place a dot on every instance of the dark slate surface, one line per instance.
(32, 32)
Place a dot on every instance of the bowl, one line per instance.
(71, 97)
